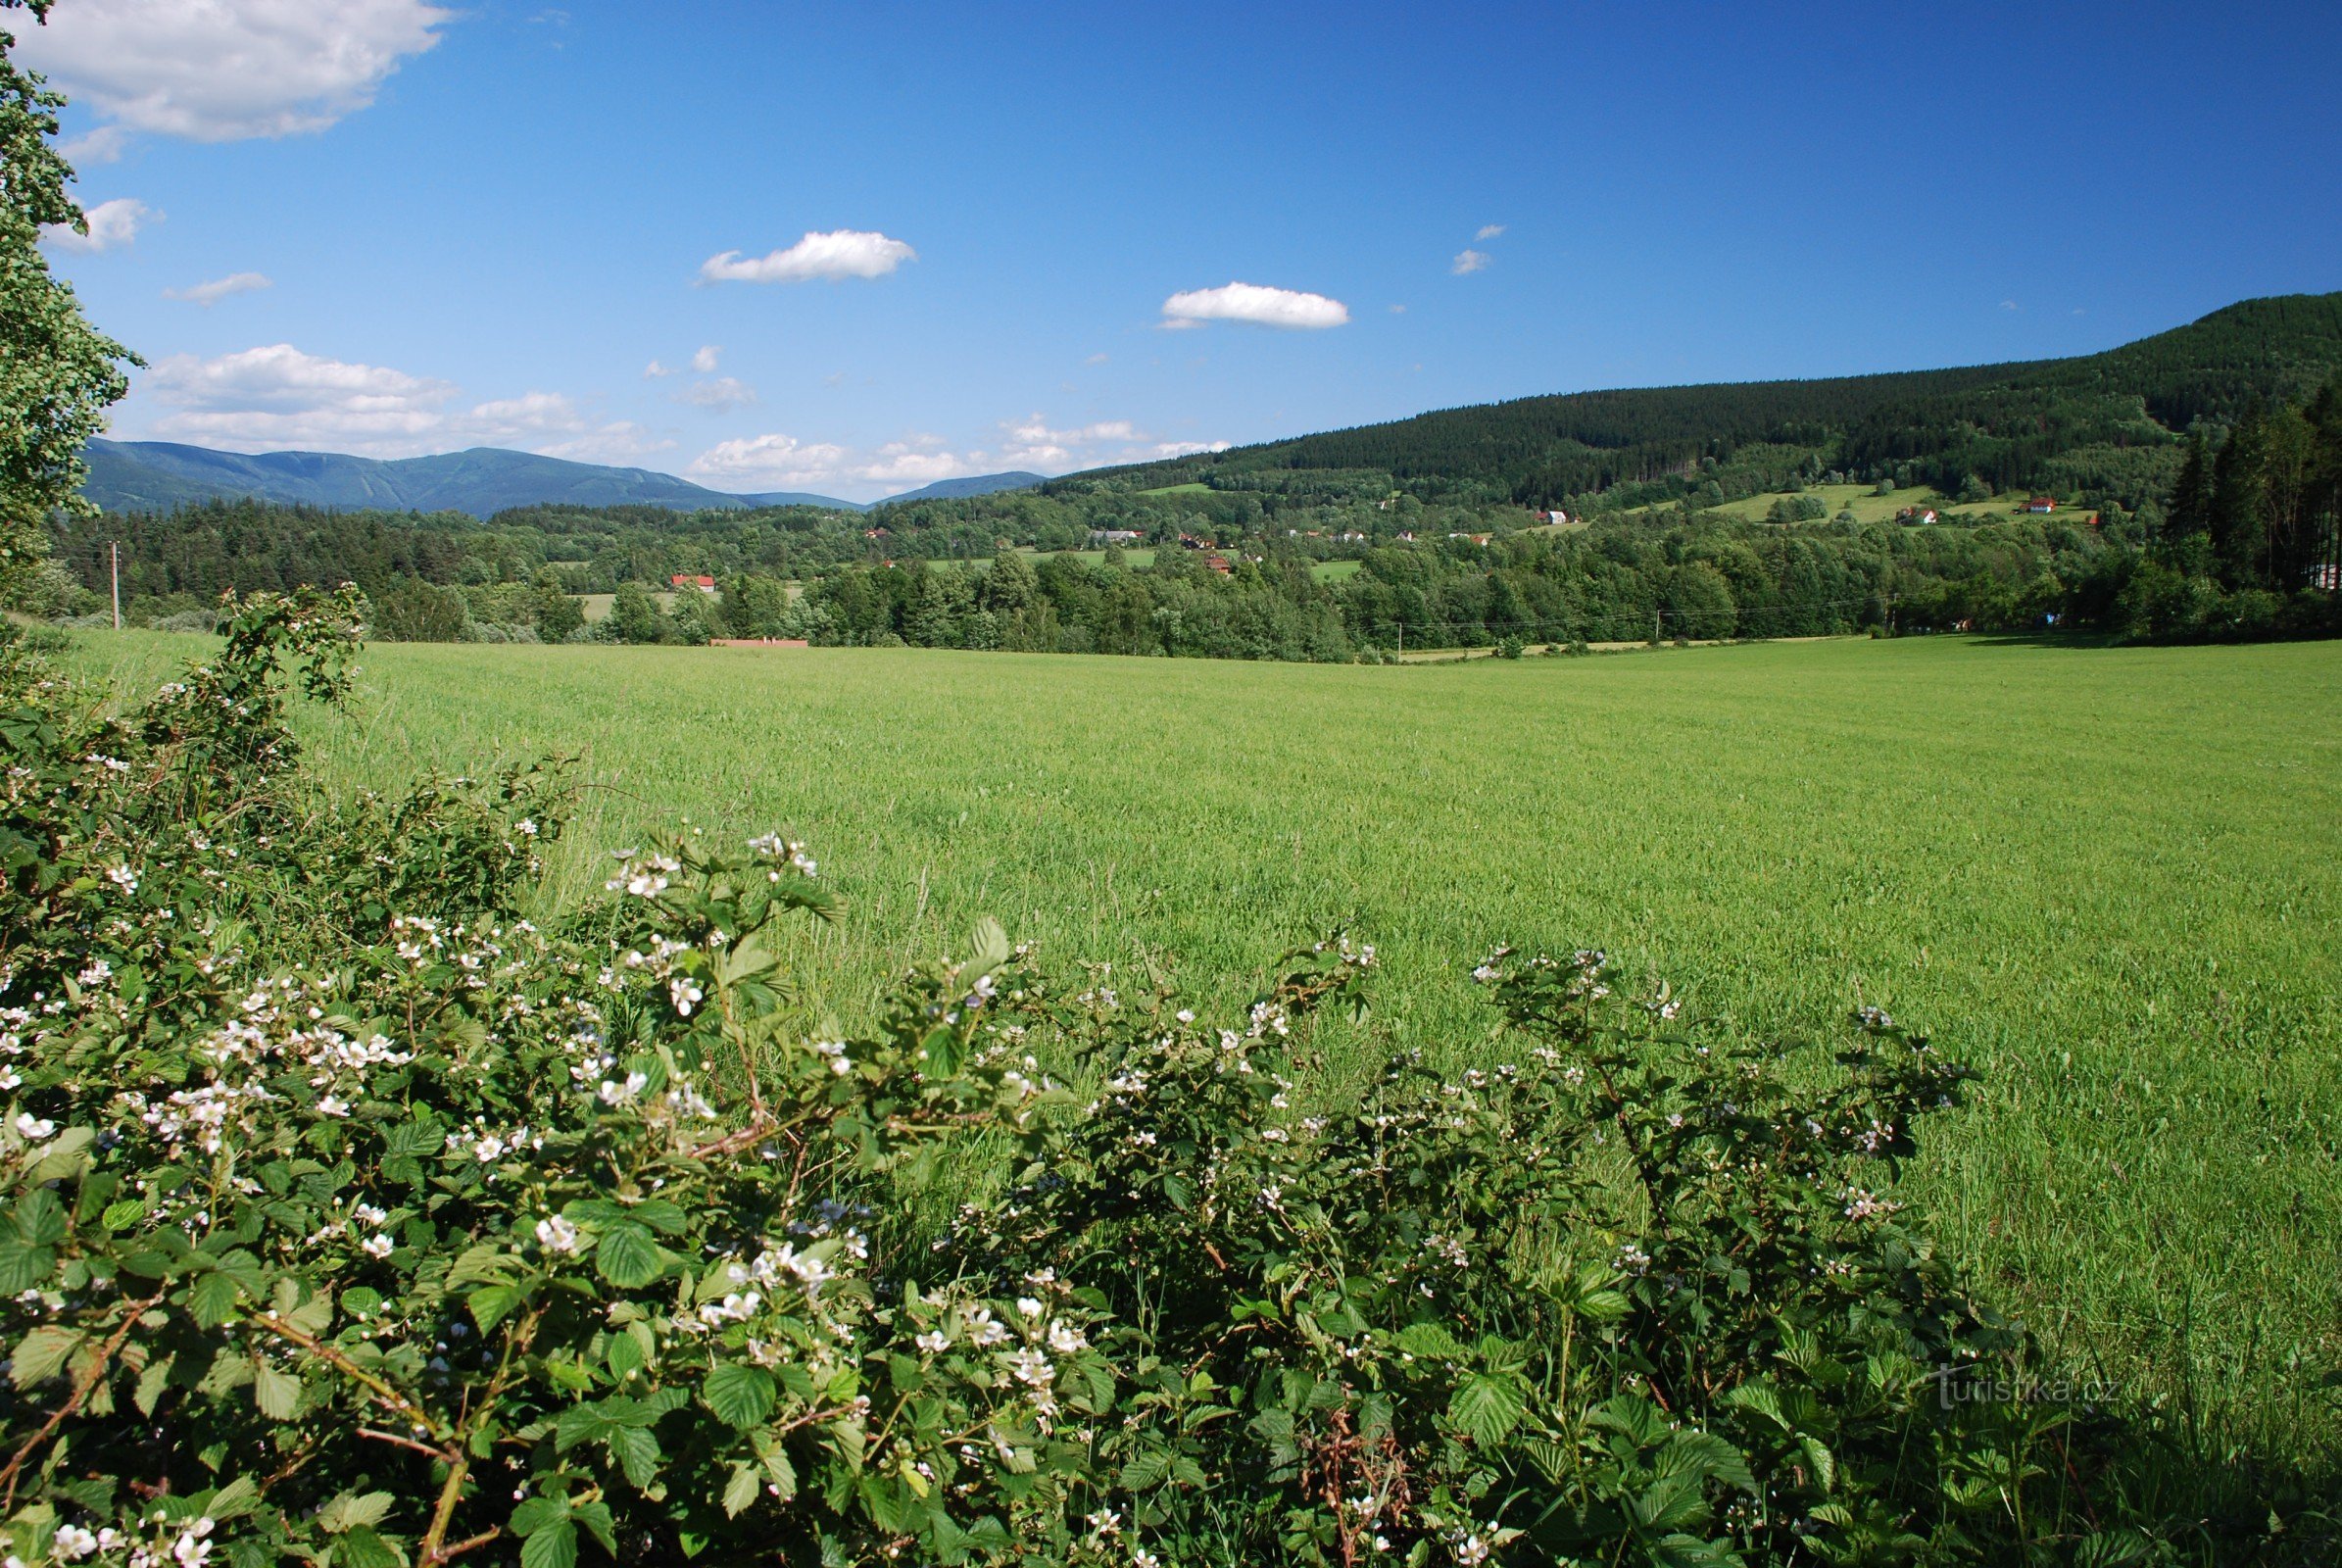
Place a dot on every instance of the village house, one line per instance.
(2042, 505)
(681, 579)
(1099, 537)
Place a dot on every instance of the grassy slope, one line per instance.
(2108, 877)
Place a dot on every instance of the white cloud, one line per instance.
(103, 145)
(718, 393)
(840, 254)
(276, 398)
(1286, 308)
(654, 369)
(1095, 359)
(768, 462)
(1398, 309)
(1489, 231)
(220, 288)
(1468, 261)
(111, 224)
(704, 360)
(2007, 305)
(227, 70)
(781, 461)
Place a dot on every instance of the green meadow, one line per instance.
(2111, 878)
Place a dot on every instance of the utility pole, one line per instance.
(1402, 639)
(117, 552)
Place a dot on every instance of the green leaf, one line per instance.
(235, 1501)
(491, 1303)
(628, 1258)
(213, 1298)
(363, 1548)
(637, 1452)
(740, 1396)
(22, 1266)
(41, 1354)
(1484, 1409)
(740, 1493)
(553, 1546)
(351, 1510)
(1429, 1341)
(121, 1217)
(1146, 1471)
(40, 1217)
(278, 1395)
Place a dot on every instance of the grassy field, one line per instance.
(1869, 508)
(2111, 878)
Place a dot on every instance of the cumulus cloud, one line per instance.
(1468, 261)
(277, 398)
(1290, 309)
(228, 70)
(718, 393)
(770, 462)
(1489, 231)
(840, 254)
(103, 145)
(220, 288)
(705, 358)
(112, 224)
(653, 371)
(782, 461)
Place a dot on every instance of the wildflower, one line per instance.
(557, 1234)
(379, 1246)
(123, 877)
(72, 1543)
(32, 1128)
(935, 1342)
(192, 1548)
(526, 828)
(685, 995)
(332, 1105)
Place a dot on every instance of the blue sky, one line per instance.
(483, 224)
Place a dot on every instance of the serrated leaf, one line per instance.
(235, 1501)
(41, 1354)
(1429, 1341)
(491, 1303)
(213, 1298)
(22, 1266)
(121, 1215)
(740, 1397)
(636, 1451)
(277, 1394)
(628, 1258)
(155, 1377)
(362, 1547)
(740, 1493)
(351, 1510)
(551, 1546)
(1486, 1408)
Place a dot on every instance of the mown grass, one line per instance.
(2111, 878)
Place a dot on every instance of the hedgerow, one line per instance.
(352, 1217)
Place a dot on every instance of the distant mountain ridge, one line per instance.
(159, 475)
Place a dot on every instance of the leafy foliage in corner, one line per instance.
(347, 1216)
(58, 374)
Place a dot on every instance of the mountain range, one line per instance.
(158, 476)
(2109, 423)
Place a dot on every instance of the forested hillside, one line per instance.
(1900, 503)
(2110, 421)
